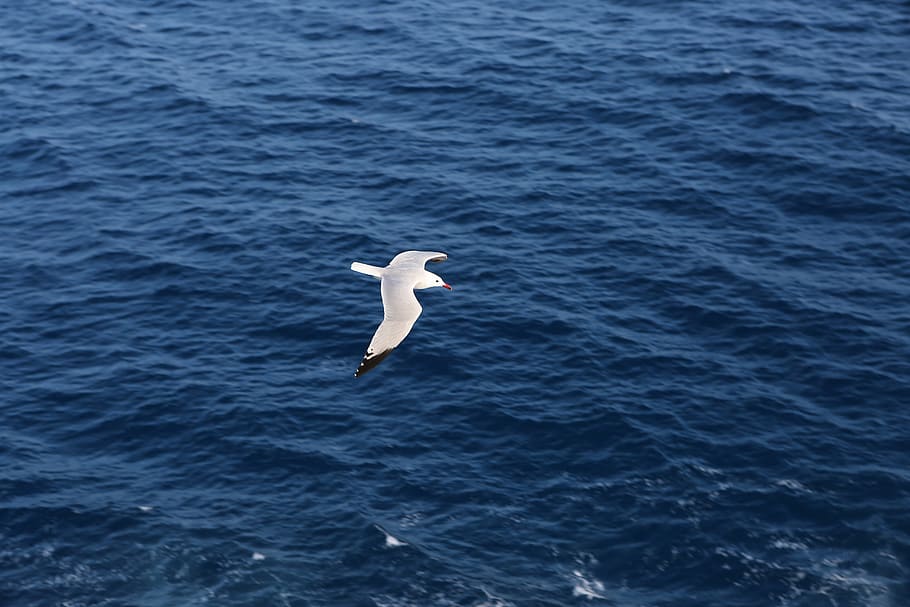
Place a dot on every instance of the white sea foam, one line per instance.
(707, 470)
(793, 484)
(587, 586)
(492, 601)
(788, 545)
(258, 556)
(390, 540)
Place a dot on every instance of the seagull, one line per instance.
(399, 279)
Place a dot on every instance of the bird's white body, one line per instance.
(401, 309)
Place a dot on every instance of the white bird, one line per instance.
(399, 279)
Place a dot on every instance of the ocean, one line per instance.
(674, 370)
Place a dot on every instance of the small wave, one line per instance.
(29, 157)
(785, 544)
(390, 540)
(775, 24)
(587, 586)
(88, 32)
(770, 107)
(793, 485)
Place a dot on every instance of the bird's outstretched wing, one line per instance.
(416, 259)
(401, 312)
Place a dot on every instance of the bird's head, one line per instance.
(432, 280)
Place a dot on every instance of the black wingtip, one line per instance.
(369, 362)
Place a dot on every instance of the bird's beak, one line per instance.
(447, 286)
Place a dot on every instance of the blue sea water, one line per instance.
(674, 371)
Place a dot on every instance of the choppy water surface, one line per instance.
(673, 371)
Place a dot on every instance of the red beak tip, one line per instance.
(448, 286)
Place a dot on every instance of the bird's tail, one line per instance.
(367, 269)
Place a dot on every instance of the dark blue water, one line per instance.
(674, 371)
